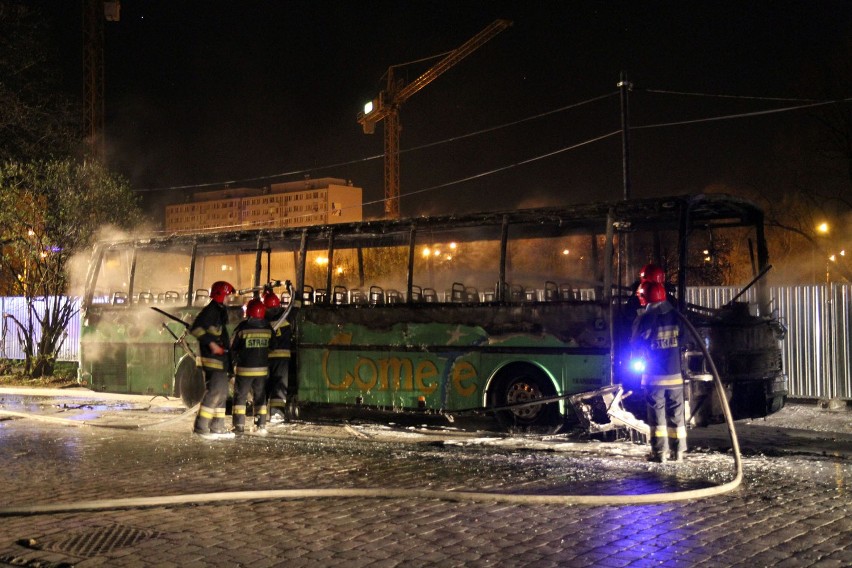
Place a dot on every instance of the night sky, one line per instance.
(214, 91)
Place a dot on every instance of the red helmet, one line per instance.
(270, 300)
(255, 309)
(652, 273)
(655, 292)
(221, 290)
(642, 293)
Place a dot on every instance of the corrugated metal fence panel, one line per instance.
(818, 347)
(10, 347)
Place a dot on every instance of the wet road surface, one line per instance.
(793, 508)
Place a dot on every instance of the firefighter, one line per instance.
(250, 350)
(210, 329)
(655, 335)
(280, 387)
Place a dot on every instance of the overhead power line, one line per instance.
(721, 96)
(377, 156)
(741, 115)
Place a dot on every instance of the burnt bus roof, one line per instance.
(714, 209)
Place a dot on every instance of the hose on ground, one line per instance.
(391, 493)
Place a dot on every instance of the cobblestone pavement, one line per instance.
(793, 508)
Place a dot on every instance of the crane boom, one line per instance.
(387, 104)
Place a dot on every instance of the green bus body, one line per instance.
(445, 314)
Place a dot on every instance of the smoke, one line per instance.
(78, 265)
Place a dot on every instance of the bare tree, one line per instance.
(50, 211)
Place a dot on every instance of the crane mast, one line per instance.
(388, 102)
(95, 12)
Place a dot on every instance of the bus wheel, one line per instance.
(291, 409)
(524, 385)
(189, 382)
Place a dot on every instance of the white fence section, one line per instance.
(817, 349)
(10, 346)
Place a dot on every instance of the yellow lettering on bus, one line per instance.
(373, 374)
(339, 339)
(426, 369)
(464, 375)
(396, 373)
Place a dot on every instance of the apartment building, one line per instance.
(291, 204)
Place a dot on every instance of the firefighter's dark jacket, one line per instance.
(656, 332)
(210, 326)
(282, 326)
(251, 347)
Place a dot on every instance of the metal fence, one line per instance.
(817, 349)
(10, 346)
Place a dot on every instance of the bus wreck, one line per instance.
(521, 316)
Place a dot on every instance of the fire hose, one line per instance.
(392, 493)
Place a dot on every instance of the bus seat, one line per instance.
(119, 298)
(201, 297)
(320, 296)
(516, 293)
(171, 297)
(416, 294)
(457, 293)
(566, 292)
(339, 296)
(471, 294)
(145, 297)
(430, 295)
(488, 296)
(308, 295)
(161, 298)
(551, 291)
(357, 296)
(377, 295)
(393, 297)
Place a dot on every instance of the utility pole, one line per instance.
(623, 245)
(625, 86)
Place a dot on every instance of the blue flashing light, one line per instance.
(637, 365)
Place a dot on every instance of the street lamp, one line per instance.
(822, 230)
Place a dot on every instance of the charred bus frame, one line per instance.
(390, 327)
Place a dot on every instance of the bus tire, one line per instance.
(523, 383)
(189, 382)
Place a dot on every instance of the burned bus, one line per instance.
(445, 315)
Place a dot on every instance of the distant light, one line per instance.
(843, 252)
(566, 252)
(822, 228)
(368, 108)
(453, 246)
(426, 252)
(436, 252)
(30, 232)
(706, 251)
(832, 258)
(322, 260)
(340, 270)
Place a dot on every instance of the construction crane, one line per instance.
(386, 106)
(94, 14)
